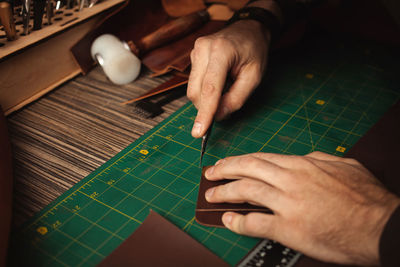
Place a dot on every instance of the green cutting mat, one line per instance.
(322, 96)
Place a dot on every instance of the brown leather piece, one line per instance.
(136, 20)
(157, 242)
(172, 83)
(379, 149)
(176, 55)
(6, 182)
(178, 8)
(209, 214)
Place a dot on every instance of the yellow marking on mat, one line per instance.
(94, 194)
(42, 230)
(309, 75)
(56, 224)
(340, 149)
(320, 102)
(76, 208)
(189, 223)
(112, 208)
(144, 152)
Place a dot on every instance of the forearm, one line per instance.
(6, 182)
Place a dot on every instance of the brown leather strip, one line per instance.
(172, 83)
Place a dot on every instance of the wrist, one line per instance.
(378, 217)
(266, 13)
(250, 24)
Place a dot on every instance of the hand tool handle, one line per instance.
(7, 19)
(38, 11)
(171, 31)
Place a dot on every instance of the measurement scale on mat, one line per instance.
(269, 253)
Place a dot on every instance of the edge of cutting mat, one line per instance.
(100, 169)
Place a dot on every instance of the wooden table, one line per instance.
(68, 133)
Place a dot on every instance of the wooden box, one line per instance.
(36, 63)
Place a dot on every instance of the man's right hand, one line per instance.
(241, 51)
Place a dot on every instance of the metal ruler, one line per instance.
(269, 253)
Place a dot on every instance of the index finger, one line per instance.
(211, 90)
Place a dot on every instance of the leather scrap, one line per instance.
(378, 150)
(172, 83)
(178, 8)
(157, 242)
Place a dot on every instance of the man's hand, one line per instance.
(327, 207)
(240, 51)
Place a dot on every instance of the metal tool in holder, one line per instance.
(33, 15)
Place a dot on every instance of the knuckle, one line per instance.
(316, 153)
(200, 42)
(245, 189)
(246, 162)
(235, 103)
(304, 161)
(246, 224)
(352, 161)
(190, 94)
(208, 88)
(250, 225)
(193, 55)
(219, 44)
(258, 73)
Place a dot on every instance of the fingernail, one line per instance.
(227, 219)
(196, 129)
(209, 171)
(219, 162)
(209, 193)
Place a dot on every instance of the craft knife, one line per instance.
(228, 84)
(204, 142)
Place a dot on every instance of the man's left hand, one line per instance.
(324, 206)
